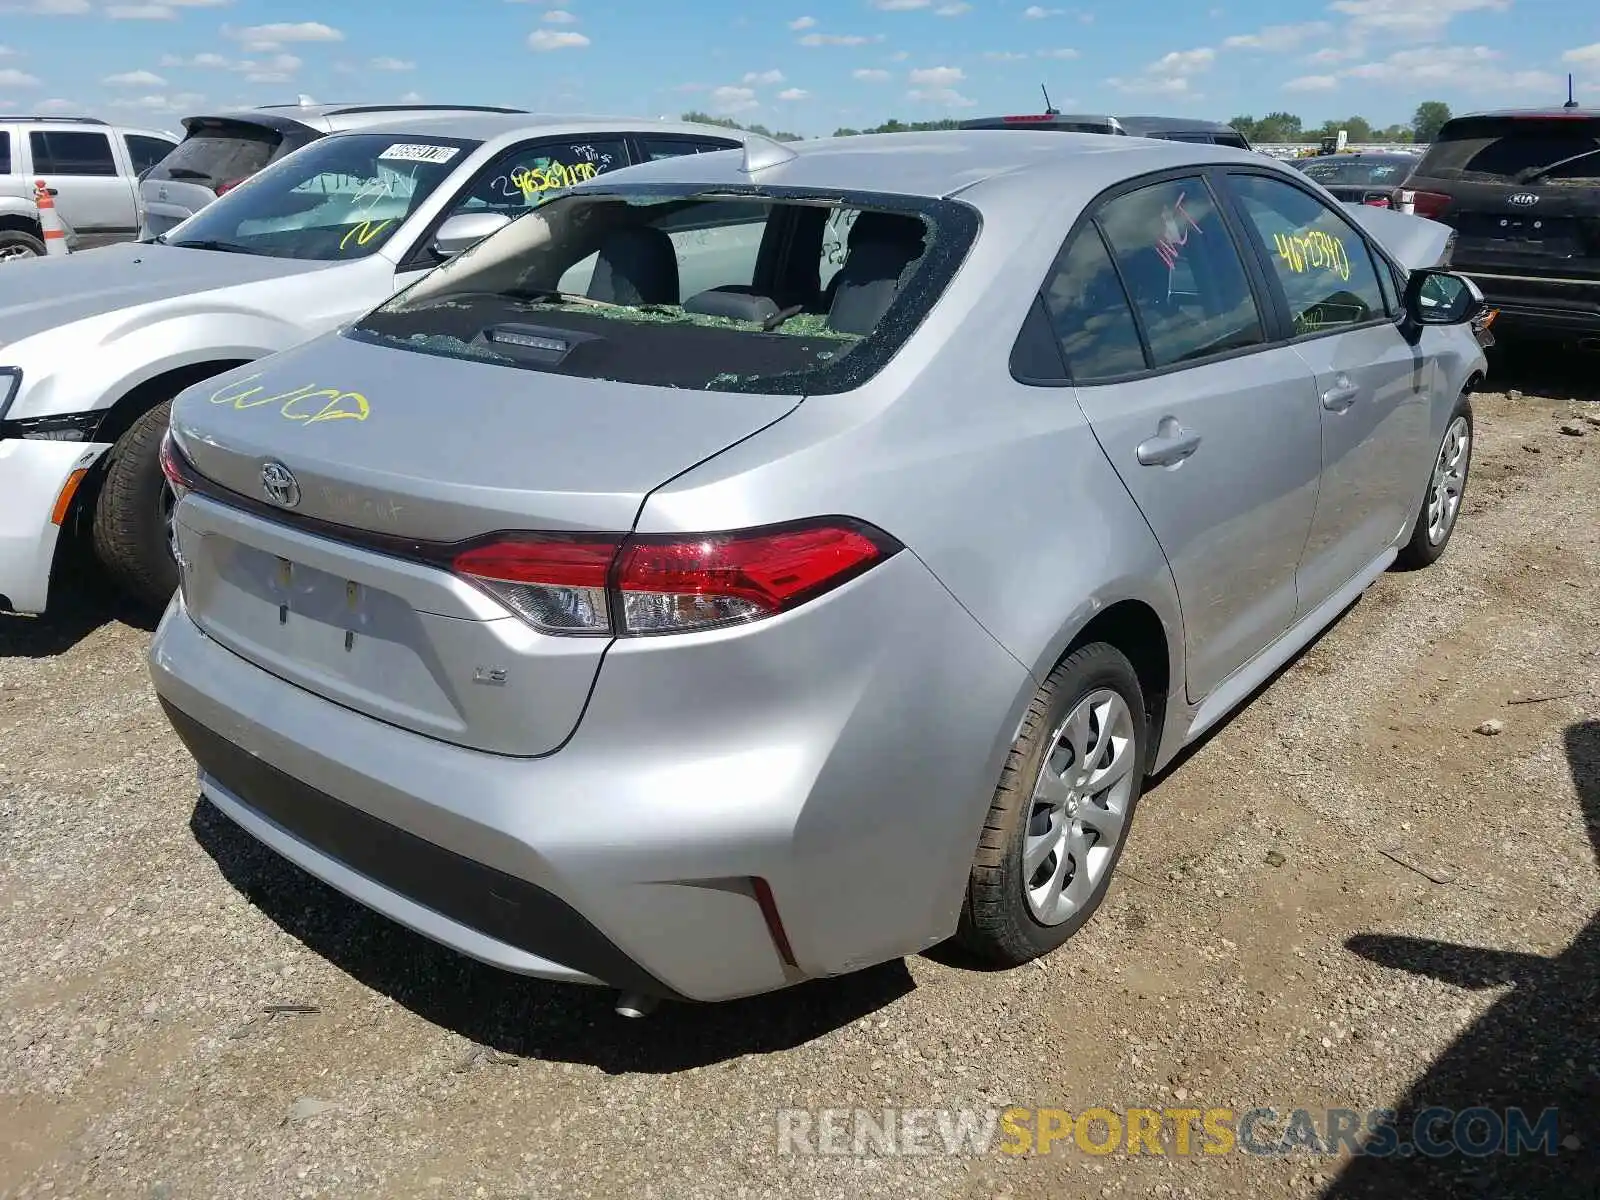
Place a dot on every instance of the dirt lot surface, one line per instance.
(1348, 897)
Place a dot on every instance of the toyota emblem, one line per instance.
(279, 483)
(1525, 199)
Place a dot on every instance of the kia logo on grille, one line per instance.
(280, 485)
(1524, 199)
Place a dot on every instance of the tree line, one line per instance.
(1274, 127)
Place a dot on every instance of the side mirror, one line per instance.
(465, 230)
(1442, 298)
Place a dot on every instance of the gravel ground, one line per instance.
(1347, 897)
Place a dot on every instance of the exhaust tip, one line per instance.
(634, 1005)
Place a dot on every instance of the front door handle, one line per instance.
(1340, 396)
(1170, 446)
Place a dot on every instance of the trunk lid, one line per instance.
(392, 453)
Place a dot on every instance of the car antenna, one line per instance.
(1571, 102)
(1049, 109)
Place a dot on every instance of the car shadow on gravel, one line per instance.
(1542, 370)
(1538, 1048)
(530, 1018)
(86, 604)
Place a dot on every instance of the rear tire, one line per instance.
(131, 515)
(15, 244)
(1010, 916)
(1447, 491)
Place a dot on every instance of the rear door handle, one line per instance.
(1340, 396)
(1171, 445)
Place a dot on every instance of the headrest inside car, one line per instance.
(735, 306)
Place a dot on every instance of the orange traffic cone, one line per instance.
(55, 234)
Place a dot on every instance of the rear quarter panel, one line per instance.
(1001, 490)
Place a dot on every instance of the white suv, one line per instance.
(91, 168)
(221, 151)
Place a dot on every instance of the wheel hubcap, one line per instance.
(1080, 807)
(12, 253)
(1449, 480)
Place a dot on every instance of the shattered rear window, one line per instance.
(756, 290)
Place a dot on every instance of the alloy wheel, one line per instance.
(1449, 480)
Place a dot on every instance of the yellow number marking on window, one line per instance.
(1314, 251)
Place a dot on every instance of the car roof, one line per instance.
(327, 118)
(943, 163)
(1555, 112)
(486, 127)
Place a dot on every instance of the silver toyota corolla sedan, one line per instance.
(751, 567)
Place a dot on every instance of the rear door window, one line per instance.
(526, 175)
(1516, 150)
(217, 153)
(1182, 272)
(5, 153)
(70, 152)
(145, 152)
(663, 147)
(1089, 313)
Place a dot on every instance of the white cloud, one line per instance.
(182, 102)
(871, 74)
(271, 37)
(729, 101)
(837, 39)
(135, 79)
(1335, 54)
(1278, 38)
(1472, 68)
(1184, 62)
(945, 97)
(392, 64)
(1161, 85)
(1312, 83)
(11, 77)
(1004, 56)
(544, 40)
(1583, 54)
(1035, 13)
(792, 94)
(1419, 20)
(199, 60)
(280, 68)
(802, 23)
(56, 106)
(772, 76)
(952, 10)
(900, 56)
(1063, 52)
(935, 77)
(411, 98)
(559, 16)
(49, 8)
(141, 12)
(900, 5)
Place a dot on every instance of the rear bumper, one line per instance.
(1552, 307)
(849, 771)
(33, 474)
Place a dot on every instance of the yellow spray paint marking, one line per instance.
(531, 181)
(308, 404)
(1315, 251)
(364, 232)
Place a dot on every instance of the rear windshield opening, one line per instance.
(218, 152)
(1339, 172)
(1516, 150)
(759, 292)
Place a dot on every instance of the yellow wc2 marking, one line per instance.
(309, 404)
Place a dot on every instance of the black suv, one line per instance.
(1522, 190)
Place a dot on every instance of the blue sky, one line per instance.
(806, 65)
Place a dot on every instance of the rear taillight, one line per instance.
(654, 584)
(1029, 119)
(223, 188)
(1423, 204)
(175, 466)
